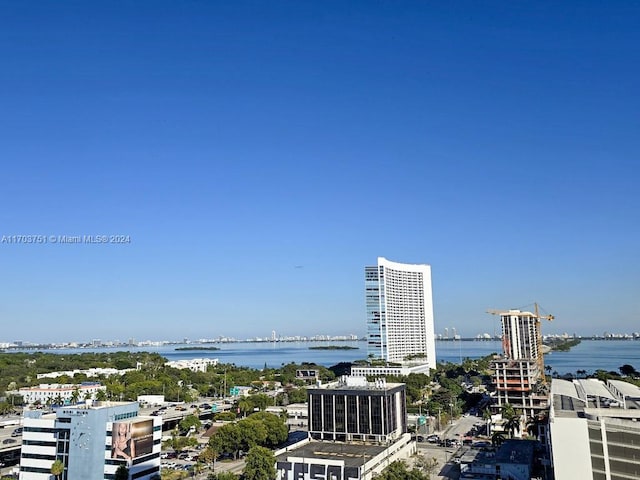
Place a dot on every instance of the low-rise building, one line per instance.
(401, 370)
(195, 365)
(60, 394)
(297, 414)
(89, 372)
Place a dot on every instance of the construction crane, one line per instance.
(538, 317)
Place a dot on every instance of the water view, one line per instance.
(589, 355)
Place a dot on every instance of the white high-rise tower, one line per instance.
(400, 312)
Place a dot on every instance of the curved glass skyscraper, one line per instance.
(400, 313)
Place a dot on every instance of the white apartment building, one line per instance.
(400, 313)
(89, 372)
(195, 365)
(58, 393)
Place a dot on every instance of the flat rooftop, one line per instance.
(516, 451)
(357, 383)
(353, 454)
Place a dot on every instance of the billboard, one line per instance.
(130, 440)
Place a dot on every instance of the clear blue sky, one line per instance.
(260, 154)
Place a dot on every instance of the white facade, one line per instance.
(590, 437)
(195, 365)
(400, 313)
(89, 372)
(60, 393)
(520, 335)
(402, 370)
(81, 437)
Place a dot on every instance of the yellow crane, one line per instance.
(538, 317)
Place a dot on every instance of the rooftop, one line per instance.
(516, 451)
(625, 388)
(353, 454)
(358, 383)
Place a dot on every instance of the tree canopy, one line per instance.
(260, 464)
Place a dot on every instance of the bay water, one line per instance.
(589, 355)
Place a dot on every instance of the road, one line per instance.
(447, 470)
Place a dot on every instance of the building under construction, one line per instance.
(518, 376)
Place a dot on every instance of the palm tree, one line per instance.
(512, 425)
(533, 424)
(507, 411)
(498, 439)
(75, 395)
(57, 468)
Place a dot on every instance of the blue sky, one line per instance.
(260, 154)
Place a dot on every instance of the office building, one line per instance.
(519, 373)
(354, 409)
(400, 313)
(592, 436)
(356, 429)
(85, 439)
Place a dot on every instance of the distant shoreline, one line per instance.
(333, 347)
(180, 349)
(200, 345)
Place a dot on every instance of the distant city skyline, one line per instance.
(185, 169)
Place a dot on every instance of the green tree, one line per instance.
(260, 464)
(426, 465)
(628, 370)
(498, 439)
(276, 428)
(57, 468)
(228, 439)
(178, 443)
(222, 476)
(507, 411)
(122, 473)
(224, 417)
(252, 432)
(513, 425)
(75, 395)
(190, 421)
(297, 395)
(245, 406)
(208, 456)
(5, 408)
(398, 471)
